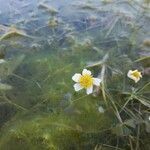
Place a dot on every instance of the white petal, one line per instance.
(89, 90)
(136, 80)
(76, 77)
(131, 76)
(140, 75)
(129, 73)
(77, 87)
(85, 71)
(96, 81)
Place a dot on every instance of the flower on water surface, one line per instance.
(134, 75)
(85, 80)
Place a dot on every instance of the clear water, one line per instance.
(43, 44)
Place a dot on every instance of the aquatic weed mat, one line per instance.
(40, 51)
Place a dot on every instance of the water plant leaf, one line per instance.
(98, 63)
(144, 60)
(143, 101)
(13, 32)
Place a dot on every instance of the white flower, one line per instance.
(85, 80)
(134, 75)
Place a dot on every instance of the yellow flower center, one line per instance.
(136, 74)
(86, 81)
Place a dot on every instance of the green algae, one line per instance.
(76, 119)
(49, 114)
(52, 132)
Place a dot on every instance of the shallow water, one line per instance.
(43, 44)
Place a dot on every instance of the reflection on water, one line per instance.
(43, 44)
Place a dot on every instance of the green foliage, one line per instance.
(55, 131)
(46, 112)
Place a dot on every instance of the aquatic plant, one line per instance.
(39, 108)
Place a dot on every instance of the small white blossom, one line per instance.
(134, 75)
(85, 80)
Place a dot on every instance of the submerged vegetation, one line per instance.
(40, 53)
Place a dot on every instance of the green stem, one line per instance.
(16, 105)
